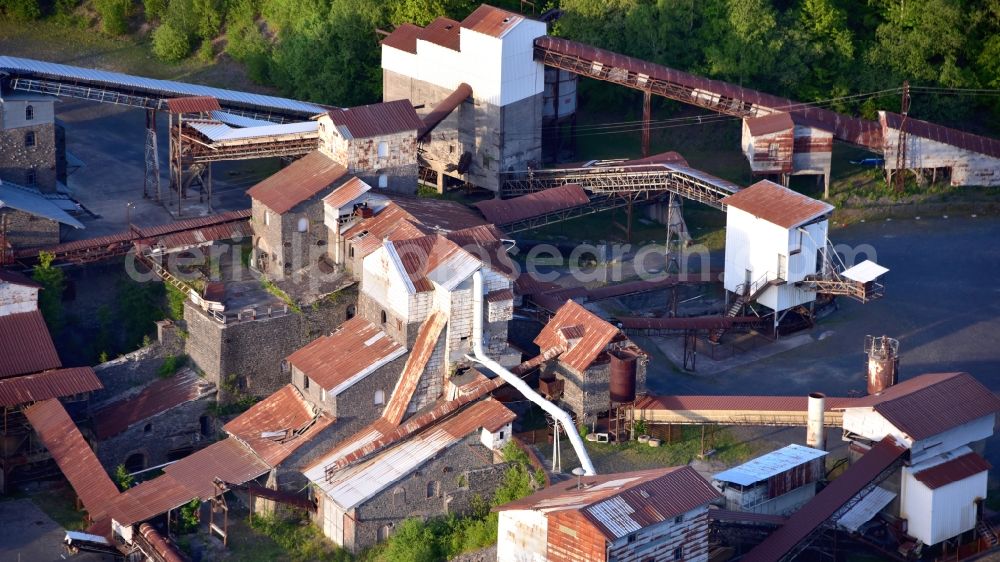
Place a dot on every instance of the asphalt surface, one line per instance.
(27, 534)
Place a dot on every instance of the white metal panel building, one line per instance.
(776, 483)
(939, 496)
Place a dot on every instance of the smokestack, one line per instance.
(883, 362)
(815, 435)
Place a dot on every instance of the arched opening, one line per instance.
(383, 181)
(351, 311)
(385, 317)
(206, 425)
(398, 497)
(379, 397)
(29, 139)
(383, 532)
(303, 224)
(432, 489)
(29, 112)
(135, 462)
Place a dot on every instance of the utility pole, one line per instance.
(902, 140)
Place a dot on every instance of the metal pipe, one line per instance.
(815, 435)
(560, 415)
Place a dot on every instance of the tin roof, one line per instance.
(738, 403)
(156, 398)
(33, 202)
(438, 214)
(285, 411)
(940, 133)
(768, 124)
(505, 211)
(74, 456)
(777, 204)
(831, 498)
(432, 260)
(15, 278)
(491, 21)
(237, 120)
(771, 464)
(353, 485)
(220, 133)
(404, 38)
(392, 223)
(865, 271)
(623, 503)
(25, 345)
(423, 346)
(442, 31)
(597, 334)
(349, 191)
(297, 182)
(930, 404)
(958, 465)
(49, 384)
(377, 119)
(355, 350)
(866, 509)
(193, 104)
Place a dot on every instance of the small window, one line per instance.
(29, 139)
(398, 497)
(631, 538)
(432, 489)
(350, 252)
(383, 532)
(383, 149)
(351, 311)
(303, 224)
(148, 428)
(501, 434)
(772, 150)
(267, 218)
(383, 181)
(30, 178)
(285, 366)
(451, 149)
(679, 519)
(385, 317)
(679, 553)
(305, 383)
(29, 113)
(379, 397)
(206, 425)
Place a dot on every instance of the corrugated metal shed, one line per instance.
(940, 133)
(158, 397)
(491, 21)
(866, 509)
(35, 203)
(773, 123)
(73, 455)
(771, 464)
(953, 470)
(623, 503)
(442, 31)
(193, 104)
(504, 211)
(337, 361)
(882, 456)
(930, 404)
(286, 411)
(50, 384)
(597, 335)
(404, 38)
(349, 191)
(777, 204)
(25, 345)
(377, 119)
(297, 182)
(161, 88)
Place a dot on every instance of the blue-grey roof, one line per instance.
(33, 202)
(771, 464)
(166, 88)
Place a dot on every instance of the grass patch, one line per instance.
(170, 365)
(270, 287)
(60, 506)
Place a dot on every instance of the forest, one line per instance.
(837, 52)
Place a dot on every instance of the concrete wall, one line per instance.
(16, 159)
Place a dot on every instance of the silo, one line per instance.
(883, 362)
(623, 369)
(815, 435)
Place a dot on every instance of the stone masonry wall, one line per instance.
(360, 157)
(25, 230)
(16, 159)
(287, 248)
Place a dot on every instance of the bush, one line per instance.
(170, 44)
(114, 15)
(170, 365)
(20, 11)
(175, 302)
(53, 283)
(154, 9)
(123, 478)
(190, 515)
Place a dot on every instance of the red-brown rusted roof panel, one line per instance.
(25, 345)
(15, 278)
(442, 31)
(491, 21)
(736, 403)
(505, 211)
(157, 398)
(285, 410)
(298, 182)
(942, 134)
(773, 123)
(226, 460)
(377, 119)
(193, 104)
(49, 384)
(74, 456)
(597, 335)
(404, 38)
(777, 204)
(356, 348)
(438, 214)
(346, 192)
(954, 470)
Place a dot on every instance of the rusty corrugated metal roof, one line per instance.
(286, 411)
(188, 224)
(25, 345)
(768, 124)
(338, 360)
(882, 456)
(442, 31)
(958, 468)
(297, 182)
(377, 119)
(438, 214)
(940, 133)
(930, 404)
(404, 38)
(193, 104)
(347, 192)
(49, 384)
(504, 211)
(777, 204)
(13, 277)
(159, 396)
(737, 403)
(623, 503)
(433, 259)
(597, 335)
(74, 456)
(491, 21)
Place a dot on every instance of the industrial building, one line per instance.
(777, 483)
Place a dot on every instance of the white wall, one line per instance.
(13, 113)
(522, 77)
(869, 424)
(15, 298)
(522, 536)
(942, 513)
(495, 440)
(382, 281)
(968, 168)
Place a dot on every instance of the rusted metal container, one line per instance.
(883, 362)
(622, 386)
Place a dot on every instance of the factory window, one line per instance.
(30, 178)
(29, 139)
(679, 519)
(350, 252)
(679, 553)
(29, 113)
(383, 149)
(351, 311)
(305, 383)
(379, 397)
(432, 488)
(772, 150)
(398, 497)
(451, 149)
(383, 532)
(303, 224)
(385, 317)
(383, 181)
(267, 218)
(631, 538)
(148, 428)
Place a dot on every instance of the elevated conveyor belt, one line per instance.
(776, 411)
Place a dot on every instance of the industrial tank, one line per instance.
(623, 366)
(883, 362)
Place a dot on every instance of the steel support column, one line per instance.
(646, 99)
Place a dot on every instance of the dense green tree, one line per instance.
(53, 282)
(170, 44)
(114, 15)
(154, 9)
(20, 11)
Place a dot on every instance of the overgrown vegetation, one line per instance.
(171, 364)
(189, 516)
(123, 478)
(275, 290)
(301, 541)
(53, 282)
(175, 302)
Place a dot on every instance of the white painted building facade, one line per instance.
(17, 296)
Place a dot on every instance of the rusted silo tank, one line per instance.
(623, 366)
(815, 433)
(883, 362)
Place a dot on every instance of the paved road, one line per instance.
(27, 534)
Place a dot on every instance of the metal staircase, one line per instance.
(746, 294)
(986, 531)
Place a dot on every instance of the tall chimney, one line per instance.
(815, 435)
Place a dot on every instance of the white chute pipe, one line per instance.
(480, 357)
